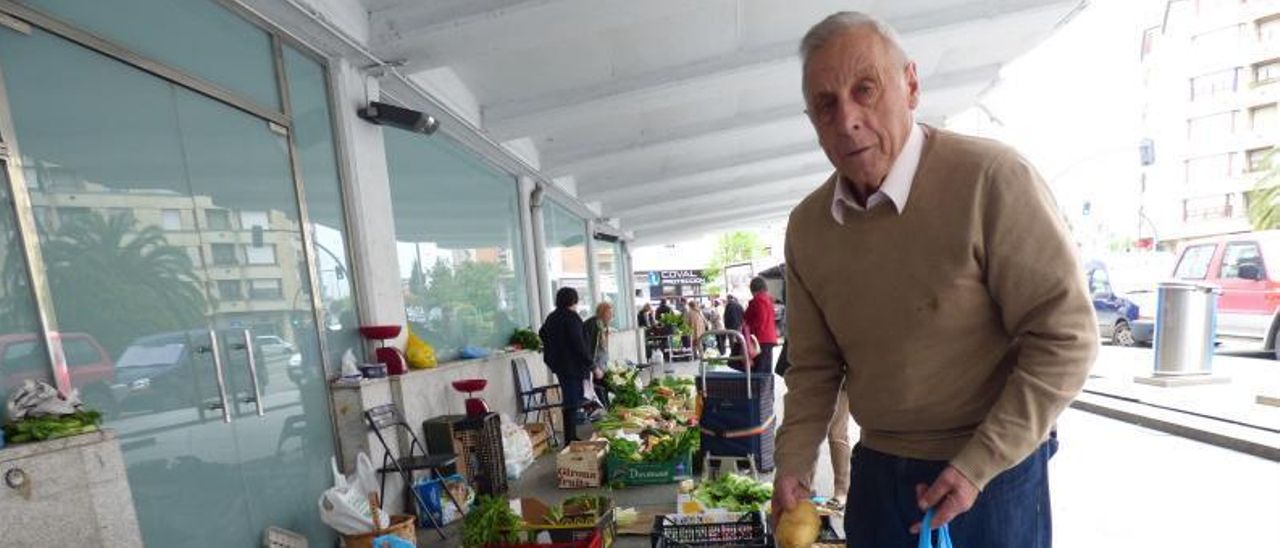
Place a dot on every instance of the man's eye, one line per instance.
(865, 90)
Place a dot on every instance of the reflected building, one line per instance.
(1212, 74)
(250, 262)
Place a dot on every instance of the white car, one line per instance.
(273, 345)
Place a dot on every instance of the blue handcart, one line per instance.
(737, 419)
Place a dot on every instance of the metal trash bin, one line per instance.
(1186, 326)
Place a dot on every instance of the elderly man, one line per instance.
(936, 268)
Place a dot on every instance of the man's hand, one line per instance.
(598, 374)
(787, 492)
(951, 494)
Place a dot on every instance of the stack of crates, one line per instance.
(477, 441)
(726, 408)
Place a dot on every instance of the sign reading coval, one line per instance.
(682, 277)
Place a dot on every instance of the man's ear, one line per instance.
(913, 85)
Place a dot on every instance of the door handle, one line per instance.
(222, 383)
(253, 374)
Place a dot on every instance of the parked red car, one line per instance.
(1247, 269)
(89, 368)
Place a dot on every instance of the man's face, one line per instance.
(859, 97)
(606, 315)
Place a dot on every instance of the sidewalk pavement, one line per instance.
(1227, 414)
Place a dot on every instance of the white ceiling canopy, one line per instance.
(679, 116)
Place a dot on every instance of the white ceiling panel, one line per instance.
(678, 115)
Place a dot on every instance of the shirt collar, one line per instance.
(897, 184)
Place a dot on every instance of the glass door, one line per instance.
(170, 232)
(261, 309)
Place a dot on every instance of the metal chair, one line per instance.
(388, 416)
(533, 399)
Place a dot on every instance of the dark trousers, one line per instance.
(1011, 512)
(764, 360)
(573, 398)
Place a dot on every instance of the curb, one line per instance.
(1252, 441)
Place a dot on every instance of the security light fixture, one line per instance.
(398, 117)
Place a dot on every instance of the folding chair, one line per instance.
(531, 399)
(388, 416)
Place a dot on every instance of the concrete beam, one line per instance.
(603, 155)
(695, 219)
(786, 160)
(723, 197)
(664, 141)
(478, 28)
(565, 109)
(693, 232)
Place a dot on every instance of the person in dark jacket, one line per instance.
(733, 319)
(763, 324)
(663, 309)
(645, 319)
(564, 348)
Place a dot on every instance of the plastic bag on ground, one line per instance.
(38, 399)
(518, 448)
(345, 506)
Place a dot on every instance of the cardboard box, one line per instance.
(540, 437)
(581, 464)
(650, 473)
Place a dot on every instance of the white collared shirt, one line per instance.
(896, 186)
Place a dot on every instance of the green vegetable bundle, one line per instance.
(490, 522)
(675, 444)
(52, 427)
(735, 493)
(526, 339)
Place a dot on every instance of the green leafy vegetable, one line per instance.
(52, 427)
(491, 521)
(735, 493)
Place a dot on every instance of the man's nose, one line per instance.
(850, 118)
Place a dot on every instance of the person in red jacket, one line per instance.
(761, 323)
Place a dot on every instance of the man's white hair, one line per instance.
(842, 22)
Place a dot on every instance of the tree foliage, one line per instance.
(464, 303)
(112, 282)
(1264, 199)
(732, 247)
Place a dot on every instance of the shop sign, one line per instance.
(681, 277)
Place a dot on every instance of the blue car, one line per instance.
(1119, 319)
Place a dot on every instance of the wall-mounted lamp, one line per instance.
(398, 117)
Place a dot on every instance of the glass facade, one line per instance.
(458, 241)
(566, 237)
(171, 234)
(182, 33)
(173, 220)
(610, 281)
(316, 148)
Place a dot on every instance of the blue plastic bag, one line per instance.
(392, 541)
(926, 533)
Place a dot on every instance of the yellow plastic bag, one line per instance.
(419, 353)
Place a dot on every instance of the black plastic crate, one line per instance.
(749, 530)
(477, 441)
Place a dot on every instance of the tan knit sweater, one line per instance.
(964, 321)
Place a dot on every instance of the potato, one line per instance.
(798, 527)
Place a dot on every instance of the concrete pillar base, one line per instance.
(1173, 381)
(1273, 401)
